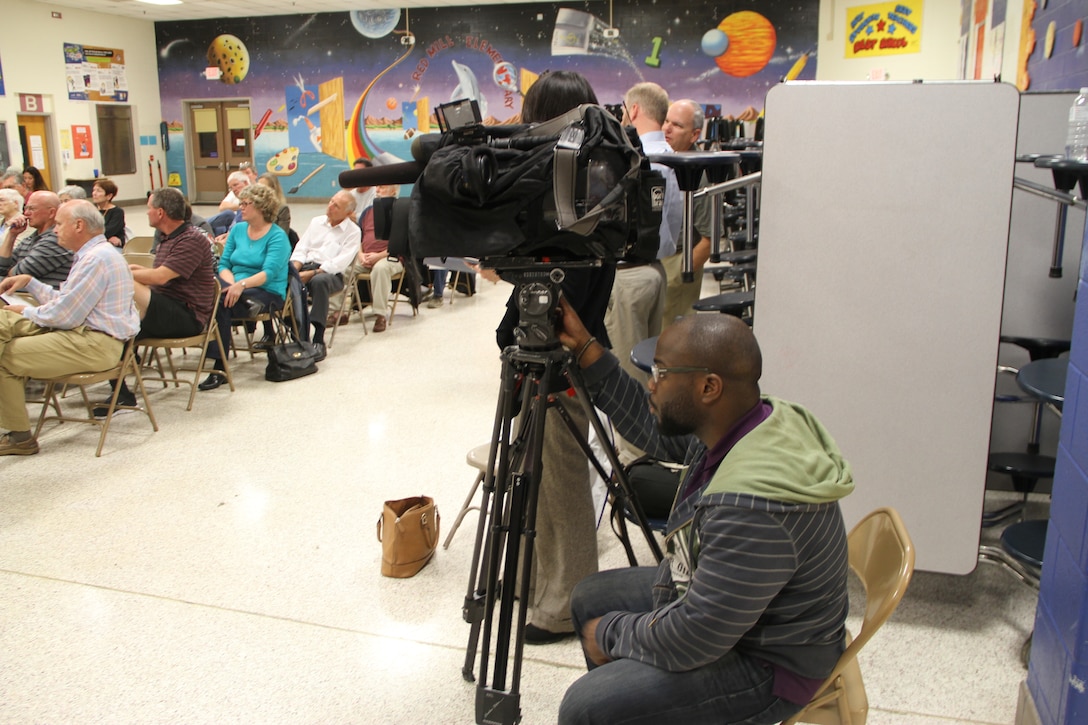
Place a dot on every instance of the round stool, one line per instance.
(477, 458)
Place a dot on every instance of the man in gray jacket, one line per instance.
(744, 618)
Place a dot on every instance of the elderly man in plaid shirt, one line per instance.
(82, 327)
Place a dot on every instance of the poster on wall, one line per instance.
(884, 29)
(82, 148)
(328, 88)
(95, 74)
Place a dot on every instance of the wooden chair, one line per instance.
(151, 346)
(126, 366)
(882, 556)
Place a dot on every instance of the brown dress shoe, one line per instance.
(9, 447)
(379, 324)
(332, 321)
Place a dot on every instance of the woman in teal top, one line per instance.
(252, 272)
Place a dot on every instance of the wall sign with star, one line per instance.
(884, 29)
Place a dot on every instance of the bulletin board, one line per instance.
(95, 74)
(883, 240)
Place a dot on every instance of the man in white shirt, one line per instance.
(324, 251)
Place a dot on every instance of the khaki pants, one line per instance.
(679, 296)
(27, 350)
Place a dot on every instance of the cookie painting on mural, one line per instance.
(229, 54)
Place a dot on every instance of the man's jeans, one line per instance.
(734, 689)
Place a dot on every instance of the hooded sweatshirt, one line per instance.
(756, 561)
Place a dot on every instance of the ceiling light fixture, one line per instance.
(160, 2)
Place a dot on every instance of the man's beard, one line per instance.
(676, 417)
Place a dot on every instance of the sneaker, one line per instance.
(101, 410)
(379, 324)
(9, 447)
(425, 293)
(435, 303)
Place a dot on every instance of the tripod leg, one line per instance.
(496, 702)
(491, 511)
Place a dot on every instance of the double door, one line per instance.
(220, 135)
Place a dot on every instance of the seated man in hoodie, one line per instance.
(745, 616)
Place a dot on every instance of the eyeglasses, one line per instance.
(658, 371)
(244, 204)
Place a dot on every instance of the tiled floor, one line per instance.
(226, 569)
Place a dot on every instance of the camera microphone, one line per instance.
(404, 173)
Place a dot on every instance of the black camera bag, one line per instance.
(568, 187)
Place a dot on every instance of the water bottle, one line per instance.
(1076, 143)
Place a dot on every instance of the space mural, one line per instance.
(327, 88)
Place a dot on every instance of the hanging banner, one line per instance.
(95, 74)
(884, 29)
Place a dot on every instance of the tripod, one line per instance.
(503, 552)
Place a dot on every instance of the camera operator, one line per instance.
(745, 616)
(566, 541)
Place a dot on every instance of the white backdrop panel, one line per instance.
(883, 239)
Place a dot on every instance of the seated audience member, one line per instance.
(252, 272)
(229, 213)
(373, 257)
(199, 222)
(745, 616)
(81, 327)
(11, 207)
(324, 251)
(363, 195)
(438, 288)
(33, 180)
(71, 192)
(12, 178)
(176, 294)
(38, 254)
(283, 216)
(102, 194)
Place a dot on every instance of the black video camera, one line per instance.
(573, 188)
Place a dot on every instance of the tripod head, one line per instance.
(537, 289)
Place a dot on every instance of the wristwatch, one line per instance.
(243, 283)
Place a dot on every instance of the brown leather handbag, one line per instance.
(408, 530)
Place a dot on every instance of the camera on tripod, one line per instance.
(573, 188)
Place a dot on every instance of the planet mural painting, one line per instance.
(229, 54)
(375, 23)
(742, 44)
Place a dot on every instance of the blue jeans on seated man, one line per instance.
(221, 222)
(734, 689)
